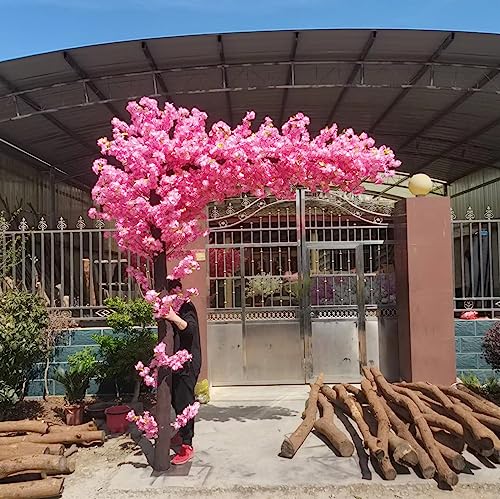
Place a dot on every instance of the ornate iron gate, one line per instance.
(298, 287)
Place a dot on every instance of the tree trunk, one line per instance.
(137, 391)
(66, 437)
(445, 474)
(28, 449)
(383, 427)
(24, 426)
(41, 463)
(326, 426)
(370, 442)
(424, 461)
(292, 443)
(36, 489)
(91, 426)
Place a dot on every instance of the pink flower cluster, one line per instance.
(470, 315)
(145, 423)
(160, 359)
(186, 415)
(163, 304)
(185, 267)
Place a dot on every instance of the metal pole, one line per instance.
(52, 200)
(360, 271)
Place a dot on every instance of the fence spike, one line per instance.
(469, 214)
(4, 225)
(99, 224)
(453, 214)
(80, 224)
(61, 224)
(23, 225)
(488, 214)
(42, 224)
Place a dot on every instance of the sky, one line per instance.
(35, 26)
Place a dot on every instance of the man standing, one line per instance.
(186, 337)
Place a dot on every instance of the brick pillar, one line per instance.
(424, 280)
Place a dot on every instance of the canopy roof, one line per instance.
(432, 96)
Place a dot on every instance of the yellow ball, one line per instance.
(420, 184)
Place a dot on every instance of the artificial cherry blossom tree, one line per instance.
(167, 166)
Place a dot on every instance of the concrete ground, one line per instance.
(238, 439)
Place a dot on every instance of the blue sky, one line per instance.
(34, 26)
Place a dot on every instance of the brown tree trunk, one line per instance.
(476, 402)
(424, 461)
(90, 426)
(444, 472)
(402, 451)
(66, 437)
(24, 426)
(24, 449)
(292, 443)
(370, 442)
(40, 463)
(36, 489)
(326, 426)
(383, 427)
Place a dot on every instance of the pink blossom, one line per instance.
(186, 415)
(145, 423)
(469, 315)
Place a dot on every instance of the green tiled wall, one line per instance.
(72, 341)
(468, 342)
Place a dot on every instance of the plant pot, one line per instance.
(116, 418)
(97, 411)
(74, 414)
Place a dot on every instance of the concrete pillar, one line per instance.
(424, 281)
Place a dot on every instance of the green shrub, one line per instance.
(76, 380)
(23, 319)
(132, 341)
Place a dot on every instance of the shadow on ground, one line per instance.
(242, 413)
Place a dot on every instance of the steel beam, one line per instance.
(414, 79)
(451, 107)
(40, 111)
(290, 78)
(157, 75)
(355, 70)
(84, 76)
(225, 83)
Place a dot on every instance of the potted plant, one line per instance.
(76, 381)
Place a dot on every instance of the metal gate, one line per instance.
(300, 287)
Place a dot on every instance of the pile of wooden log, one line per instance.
(34, 455)
(418, 425)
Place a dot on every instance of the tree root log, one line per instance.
(444, 472)
(66, 437)
(370, 442)
(424, 461)
(326, 426)
(478, 404)
(383, 427)
(36, 489)
(24, 426)
(90, 426)
(40, 463)
(293, 443)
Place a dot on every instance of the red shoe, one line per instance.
(185, 454)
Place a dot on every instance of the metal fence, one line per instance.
(73, 269)
(476, 246)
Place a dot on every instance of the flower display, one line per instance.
(158, 173)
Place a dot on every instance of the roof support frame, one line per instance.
(225, 83)
(415, 78)
(82, 74)
(290, 78)
(40, 111)
(352, 76)
(158, 77)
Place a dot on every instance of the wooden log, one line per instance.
(26, 448)
(370, 442)
(36, 489)
(485, 438)
(67, 437)
(453, 458)
(383, 427)
(448, 439)
(478, 405)
(90, 426)
(326, 426)
(444, 472)
(24, 426)
(292, 443)
(483, 400)
(424, 461)
(39, 463)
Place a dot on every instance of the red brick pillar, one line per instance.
(424, 281)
